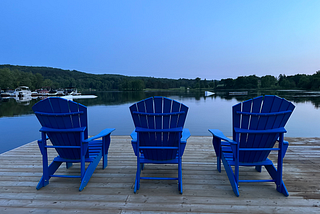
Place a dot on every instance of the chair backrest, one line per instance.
(159, 122)
(260, 113)
(58, 113)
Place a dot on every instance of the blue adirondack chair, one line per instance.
(257, 125)
(159, 136)
(64, 123)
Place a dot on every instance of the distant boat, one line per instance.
(59, 92)
(71, 91)
(40, 92)
(22, 91)
(72, 97)
(208, 93)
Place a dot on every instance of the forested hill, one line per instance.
(12, 76)
(46, 77)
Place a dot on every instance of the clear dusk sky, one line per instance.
(173, 39)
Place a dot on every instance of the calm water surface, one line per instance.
(19, 126)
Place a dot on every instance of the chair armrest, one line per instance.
(40, 140)
(185, 135)
(266, 131)
(103, 133)
(218, 134)
(285, 148)
(134, 136)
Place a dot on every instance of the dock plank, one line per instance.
(205, 189)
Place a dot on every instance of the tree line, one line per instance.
(46, 77)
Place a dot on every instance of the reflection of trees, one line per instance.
(296, 96)
(10, 107)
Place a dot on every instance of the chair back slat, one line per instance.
(254, 120)
(135, 117)
(63, 121)
(255, 114)
(182, 117)
(158, 113)
(265, 122)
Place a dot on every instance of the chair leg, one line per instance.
(219, 164)
(216, 142)
(282, 189)
(89, 171)
(47, 172)
(137, 181)
(278, 180)
(68, 165)
(258, 168)
(233, 181)
(180, 176)
(105, 147)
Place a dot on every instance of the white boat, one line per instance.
(72, 97)
(71, 91)
(22, 91)
(208, 93)
(58, 92)
(40, 92)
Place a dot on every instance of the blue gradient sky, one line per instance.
(173, 39)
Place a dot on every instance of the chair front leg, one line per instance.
(216, 142)
(105, 147)
(280, 185)
(137, 181)
(84, 148)
(45, 168)
(180, 174)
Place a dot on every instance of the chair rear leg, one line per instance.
(47, 172)
(180, 176)
(216, 142)
(68, 165)
(105, 147)
(89, 171)
(278, 179)
(233, 181)
(137, 181)
(258, 168)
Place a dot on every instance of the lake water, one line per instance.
(18, 124)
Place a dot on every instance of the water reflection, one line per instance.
(21, 106)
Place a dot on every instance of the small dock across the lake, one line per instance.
(205, 190)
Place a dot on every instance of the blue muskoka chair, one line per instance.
(159, 136)
(257, 124)
(65, 124)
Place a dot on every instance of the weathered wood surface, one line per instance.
(205, 189)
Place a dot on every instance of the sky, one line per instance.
(214, 39)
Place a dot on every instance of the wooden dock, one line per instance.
(205, 190)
